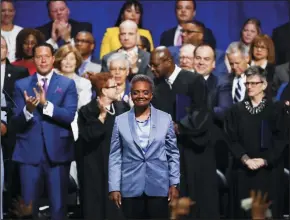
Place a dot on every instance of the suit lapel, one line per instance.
(132, 125)
(52, 87)
(140, 58)
(153, 126)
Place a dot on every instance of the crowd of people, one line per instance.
(141, 126)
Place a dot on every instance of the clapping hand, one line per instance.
(40, 95)
(103, 110)
(31, 102)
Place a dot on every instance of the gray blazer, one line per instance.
(143, 61)
(130, 170)
(282, 73)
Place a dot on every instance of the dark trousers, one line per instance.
(145, 207)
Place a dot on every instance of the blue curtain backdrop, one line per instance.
(225, 18)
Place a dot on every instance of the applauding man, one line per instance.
(45, 107)
(61, 29)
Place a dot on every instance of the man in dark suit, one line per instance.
(138, 59)
(61, 30)
(9, 75)
(185, 11)
(193, 33)
(46, 104)
(85, 44)
(281, 75)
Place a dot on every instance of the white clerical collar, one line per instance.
(264, 65)
(173, 76)
(206, 77)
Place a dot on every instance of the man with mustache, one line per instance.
(61, 29)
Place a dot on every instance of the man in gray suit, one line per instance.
(85, 44)
(144, 169)
(139, 59)
(282, 73)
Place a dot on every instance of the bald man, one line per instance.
(85, 44)
(177, 89)
(138, 59)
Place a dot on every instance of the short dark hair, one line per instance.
(100, 81)
(198, 24)
(193, 2)
(145, 43)
(21, 37)
(43, 45)
(128, 4)
(49, 1)
(142, 78)
(205, 45)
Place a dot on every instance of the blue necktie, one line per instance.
(238, 92)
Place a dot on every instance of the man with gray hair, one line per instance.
(186, 57)
(238, 58)
(137, 58)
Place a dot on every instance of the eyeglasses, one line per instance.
(189, 31)
(252, 83)
(118, 69)
(260, 47)
(78, 41)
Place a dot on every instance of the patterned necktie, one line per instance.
(238, 91)
(45, 86)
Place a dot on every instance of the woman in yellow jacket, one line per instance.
(131, 10)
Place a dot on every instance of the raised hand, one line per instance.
(41, 94)
(54, 30)
(64, 31)
(259, 205)
(31, 102)
(103, 110)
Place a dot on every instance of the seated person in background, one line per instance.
(251, 28)
(61, 29)
(118, 66)
(185, 11)
(26, 40)
(138, 59)
(262, 53)
(131, 10)
(9, 30)
(193, 33)
(85, 44)
(186, 57)
(144, 44)
(281, 75)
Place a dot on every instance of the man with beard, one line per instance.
(175, 88)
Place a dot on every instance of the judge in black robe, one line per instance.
(197, 156)
(258, 139)
(93, 151)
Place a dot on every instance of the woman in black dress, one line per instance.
(257, 130)
(95, 122)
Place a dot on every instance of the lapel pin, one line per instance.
(9, 75)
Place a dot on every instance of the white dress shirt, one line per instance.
(48, 110)
(3, 67)
(177, 34)
(173, 76)
(264, 65)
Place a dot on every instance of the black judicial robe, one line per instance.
(93, 149)
(197, 155)
(261, 135)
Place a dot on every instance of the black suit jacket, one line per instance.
(167, 37)
(281, 40)
(75, 28)
(12, 74)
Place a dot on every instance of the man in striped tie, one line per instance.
(238, 58)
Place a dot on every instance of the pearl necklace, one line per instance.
(111, 112)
